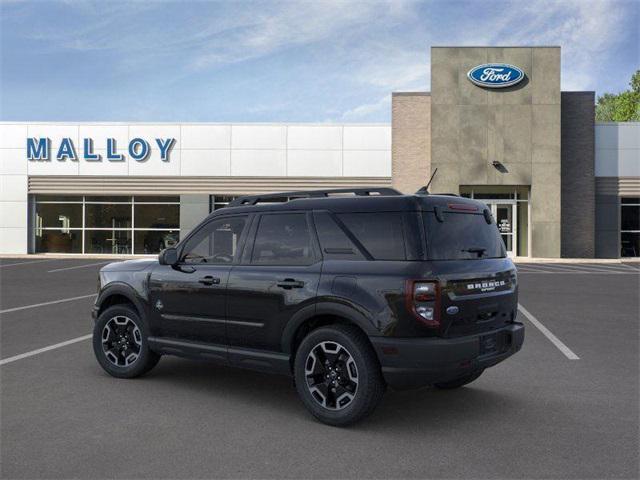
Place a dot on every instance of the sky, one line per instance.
(260, 61)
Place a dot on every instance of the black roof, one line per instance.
(385, 202)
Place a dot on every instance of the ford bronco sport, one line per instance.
(348, 294)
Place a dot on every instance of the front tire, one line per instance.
(120, 343)
(337, 375)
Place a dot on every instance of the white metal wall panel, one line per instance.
(266, 163)
(214, 163)
(100, 133)
(618, 149)
(206, 137)
(12, 161)
(314, 137)
(105, 167)
(314, 163)
(151, 132)
(358, 163)
(12, 136)
(264, 137)
(367, 138)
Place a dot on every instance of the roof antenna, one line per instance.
(425, 190)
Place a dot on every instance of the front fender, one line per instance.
(125, 290)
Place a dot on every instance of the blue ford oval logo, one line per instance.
(495, 75)
(452, 310)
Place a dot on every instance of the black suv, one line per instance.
(348, 292)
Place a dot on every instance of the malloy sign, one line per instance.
(40, 149)
(495, 75)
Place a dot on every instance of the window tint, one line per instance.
(335, 244)
(216, 243)
(283, 240)
(380, 233)
(462, 236)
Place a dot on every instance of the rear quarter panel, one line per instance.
(375, 291)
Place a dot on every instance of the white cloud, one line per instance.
(346, 57)
(367, 109)
(586, 30)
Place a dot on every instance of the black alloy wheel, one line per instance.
(332, 375)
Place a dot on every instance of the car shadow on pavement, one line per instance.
(398, 410)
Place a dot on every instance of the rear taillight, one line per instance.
(423, 301)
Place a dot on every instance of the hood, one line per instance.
(130, 265)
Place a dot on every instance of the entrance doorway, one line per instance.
(509, 206)
(503, 213)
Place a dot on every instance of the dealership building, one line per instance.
(496, 126)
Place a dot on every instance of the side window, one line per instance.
(335, 244)
(381, 233)
(216, 243)
(283, 239)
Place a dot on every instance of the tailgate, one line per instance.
(477, 300)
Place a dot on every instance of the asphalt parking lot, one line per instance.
(566, 406)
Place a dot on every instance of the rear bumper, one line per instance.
(416, 362)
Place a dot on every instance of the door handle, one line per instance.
(289, 283)
(209, 280)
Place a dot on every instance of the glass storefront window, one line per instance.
(59, 215)
(152, 241)
(630, 227)
(108, 241)
(58, 241)
(157, 216)
(630, 217)
(111, 224)
(630, 244)
(155, 199)
(107, 215)
(108, 198)
(59, 198)
(221, 201)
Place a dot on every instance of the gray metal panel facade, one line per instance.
(518, 126)
(578, 175)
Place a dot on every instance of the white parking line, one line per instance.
(579, 269)
(44, 304)
(4, 361)
(27, 263)
(535, 270)
(77, 266)
(545, 331)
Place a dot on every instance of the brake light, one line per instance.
(462, 207)
(423, 301)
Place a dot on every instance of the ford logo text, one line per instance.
(495, 75)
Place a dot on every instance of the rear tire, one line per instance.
(120, 343)
(458, 382)
(337, 375)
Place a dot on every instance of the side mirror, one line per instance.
(168, 256)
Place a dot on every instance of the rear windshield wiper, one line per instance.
(479, 250)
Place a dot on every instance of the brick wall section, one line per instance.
(578, 174)
(411, 140)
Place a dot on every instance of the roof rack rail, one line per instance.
(360, 192)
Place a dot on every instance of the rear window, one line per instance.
(283, 239)
(462, 236)
(380, 233)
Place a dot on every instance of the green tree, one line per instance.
(621, 107)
